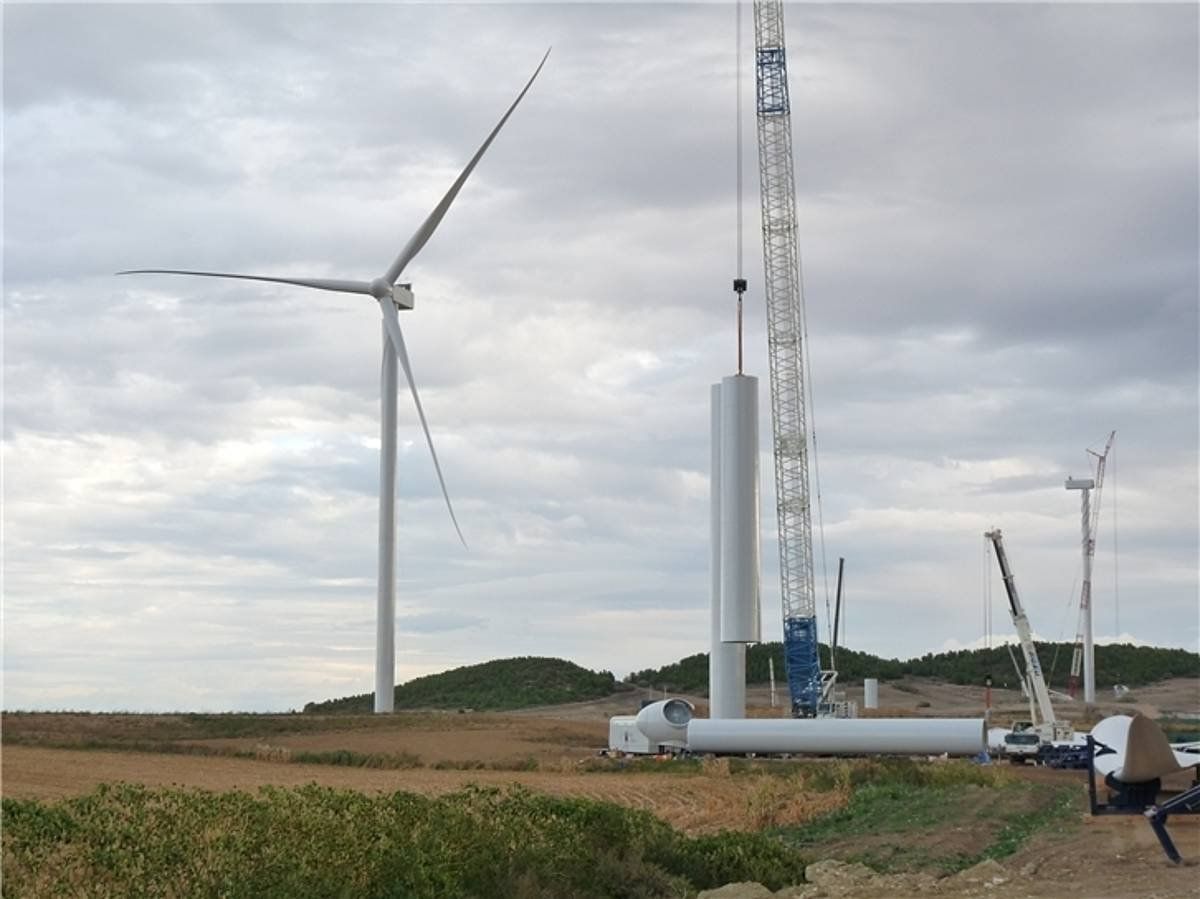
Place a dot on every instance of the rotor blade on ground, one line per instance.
(392, 322)
(422, 234)
(1135, 750)
(318, 283)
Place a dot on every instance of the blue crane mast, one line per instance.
(785, 333)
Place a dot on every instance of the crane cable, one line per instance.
(1058, 639)
(806, 356)
(738, 80)
(1116, 558)
(986, 590)
(739, 282)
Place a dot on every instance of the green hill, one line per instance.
(500, 684)
(1115, 664)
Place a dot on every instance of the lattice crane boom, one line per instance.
(781, 263)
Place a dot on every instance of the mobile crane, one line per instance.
(1045, 728)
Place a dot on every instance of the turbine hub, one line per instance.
(380, 289)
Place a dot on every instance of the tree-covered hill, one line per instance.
(1115, 664)
(500, 684)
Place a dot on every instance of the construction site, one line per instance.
(956, 846)
(800, 768)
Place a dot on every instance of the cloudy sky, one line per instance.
(998, 212)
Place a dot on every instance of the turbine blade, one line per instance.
(392, 323)
(422, 234)
(319, 283)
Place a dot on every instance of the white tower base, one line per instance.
(726, 661)
(385, 605)
(734, 529)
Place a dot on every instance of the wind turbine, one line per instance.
(391, 297)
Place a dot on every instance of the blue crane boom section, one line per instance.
(785, 331)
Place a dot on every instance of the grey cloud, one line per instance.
(439, 622)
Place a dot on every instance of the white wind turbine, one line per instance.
(391, 297)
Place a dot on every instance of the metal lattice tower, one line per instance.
(781, 262)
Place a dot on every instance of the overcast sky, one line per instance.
(998, 220)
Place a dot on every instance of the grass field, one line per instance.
(488, 841)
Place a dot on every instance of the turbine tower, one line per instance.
(391, 296)
(1089, 520)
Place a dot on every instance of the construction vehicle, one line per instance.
(1022, 744)
(1037, 737)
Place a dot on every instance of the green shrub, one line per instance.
(351, 759)
(313, 841)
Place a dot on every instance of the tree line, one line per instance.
(1115, 664)
(497, 685)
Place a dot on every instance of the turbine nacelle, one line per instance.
(403, 296)
(400, 294)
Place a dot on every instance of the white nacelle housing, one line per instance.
(665, 723)
(624, 736)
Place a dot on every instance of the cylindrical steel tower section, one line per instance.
(726, 661)
(385, 598)
(1089, 652)
(870, 693)
(839, 736)
(741, 621)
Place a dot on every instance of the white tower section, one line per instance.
(736, 549)
(385, 598)
(726, 661)
(741, 552)
(871, 693)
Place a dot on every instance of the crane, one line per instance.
(1044, 722)
(808, 685)
(1090, 519)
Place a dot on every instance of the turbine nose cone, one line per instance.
(380, 289)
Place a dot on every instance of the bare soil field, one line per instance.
(487, 740)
